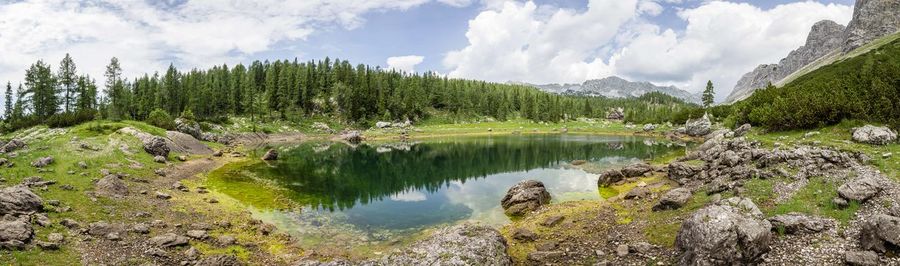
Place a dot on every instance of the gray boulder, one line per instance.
(219, 260)
(861, 258)
(352, 136)
(15, 232)
(860, 189)
(12, 145)
(270, 155)
(649, 127)
(880, 232)
(742, 130)
(42, 162)
(525, 196)
(156, 146)
(382, 124)
(730, 233)
(636, 169)
(680, 171)
(188, 127)
(673, 199)
(19, 200)
(698, 127)
(168, 240)
(610, 177)
(111, 186)
(796, 223)
(616, 114)
(874, 135)
(464, 244)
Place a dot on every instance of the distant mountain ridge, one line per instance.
(616, 87)
(827, 42)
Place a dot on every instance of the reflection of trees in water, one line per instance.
(341, 176)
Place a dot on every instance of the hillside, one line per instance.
(616, 87)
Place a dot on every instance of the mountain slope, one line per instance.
(616, 87)
(826, 43)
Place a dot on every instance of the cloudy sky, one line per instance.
(677, 42)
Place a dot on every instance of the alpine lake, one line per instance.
(363, 200)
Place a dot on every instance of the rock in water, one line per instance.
(188, 127)
(673, 199)
(880, 232)
(19, 200)
(525, 196)
(156, 146)
(698, 127)
(464, 244)
(15, 232)
(796, 223)
(874, 135)
(111, 186)
(731, 233)
(270, 155)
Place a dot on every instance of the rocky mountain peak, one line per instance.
(872, 19)
(617, 87)
(823, 32)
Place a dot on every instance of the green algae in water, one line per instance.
(377, 194)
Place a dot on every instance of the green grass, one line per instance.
(663, 225)
(516, 126)
(814, 199)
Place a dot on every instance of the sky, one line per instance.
(667, 42)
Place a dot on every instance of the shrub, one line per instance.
(161, 119)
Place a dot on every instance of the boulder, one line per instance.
(637, 193)
(111, 186)
(610, 177)
(523, 235)
(730, 233)
(742, 130)
(12, 145)
(15, 232)
(698, 127)
(636, 169)
(197, 234)
(796, 223)
(870, 134)
(649, 127)
(188, 127)
(464, 244)
(861, 258)
(156, 146)
(42, 162)
(525, 196)
(168, 240)
(673, 199)
(270, 155)
(219, 260)
(382, 124)
(679, 171)
(860, 189)
(159, 159)
(881, 233)
(102, 228)
(19, 200)
(352, 136)
(616, 114)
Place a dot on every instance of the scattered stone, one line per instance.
(42, 219)
(69, 223)
(456, 245)
(840, 202)
(82, 165)
(42, 162)
(673, 199)
(182, 158)
(796, 223)
(636, 169)
(523, 235)
(553, 220)
(111, 186)
(156, 146)
(641, 248)
(870, 134)
(266, 229)
(226, 240)
(880, 233)
(729, 233)
(217, 153)
(270, 155)
(680, 171)
(352, 136)
(578, 162)
(156, 252)
(159, 159)
(525, 196)
(622, 250)
(15, 232)
(860, 189)
(12, 145)
(178, 186)
(160, 172)
(887, 155)
(168, 240)
(101, 228)
(861, 258)
(160, 195)
(56, 237)
(811, 134)
(212, 200)
(192, 253)
(197, 234)
(19, 200)
(114, 236)
(637, 193)
(44, 245)
(742, 130)
(219, 260)
(141, 228)
(649, 127)
(542, 257)
(609, 177)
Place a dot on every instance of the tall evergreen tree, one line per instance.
(115, 95)
(67, 80)
(708, 95)
(7, 104)
(41, 88)
(87, 94)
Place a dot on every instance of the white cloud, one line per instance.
(721, 42)
(523, 42)
(404, 63)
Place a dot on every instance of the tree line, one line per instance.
(357, 95)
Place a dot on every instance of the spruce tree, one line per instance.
(41, 88)
(114, 90)
(67, 81)
(708, 95)
(7, 104)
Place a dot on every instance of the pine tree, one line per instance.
(87, 94)
(41, 87)
(114, 90)
(7, 112)
(67, 80)
(708, 95)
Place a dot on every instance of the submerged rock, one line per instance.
(731, 233)
(464, 244)
(870, 134)
(525, 196)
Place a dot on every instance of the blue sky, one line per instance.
(673, 42)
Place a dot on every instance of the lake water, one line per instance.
(336, 195)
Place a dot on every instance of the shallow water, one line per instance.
(332, 194)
